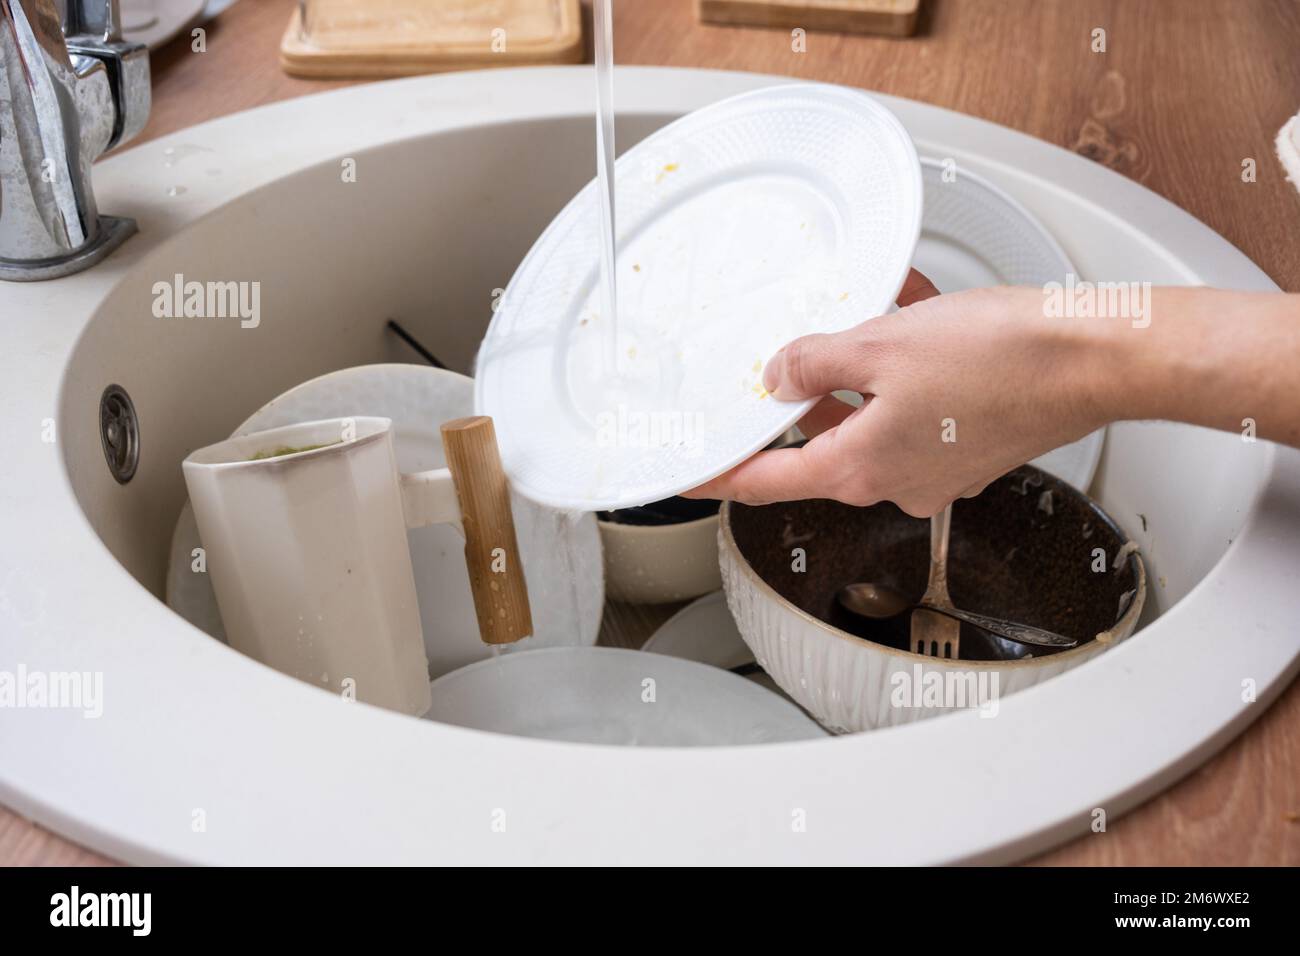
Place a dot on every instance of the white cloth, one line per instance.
(1288, 149)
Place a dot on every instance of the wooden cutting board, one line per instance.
(889, 17)
(374, 38)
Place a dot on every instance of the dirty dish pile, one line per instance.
(742, 226)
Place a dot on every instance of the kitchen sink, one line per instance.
(414, 201)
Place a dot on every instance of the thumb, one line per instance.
(816, 365)
(784, 474)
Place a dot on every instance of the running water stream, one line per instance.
(604, 29)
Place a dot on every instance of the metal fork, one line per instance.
(936, 635)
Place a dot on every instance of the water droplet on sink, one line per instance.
(176, 190)
(172, 155)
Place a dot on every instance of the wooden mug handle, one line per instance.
(496, 573)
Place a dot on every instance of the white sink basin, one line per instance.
(455, 177)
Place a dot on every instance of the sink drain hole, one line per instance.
(119, 432)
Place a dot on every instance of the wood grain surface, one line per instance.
(1186, 91)
(356, 40)
(491, 548)
(896, 18)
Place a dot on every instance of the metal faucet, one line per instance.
(70, 89)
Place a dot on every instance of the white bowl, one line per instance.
(655, 564)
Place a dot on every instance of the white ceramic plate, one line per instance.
(974, 235)
(156, 22)
(561, 552)
(607, 695)
(776, 213)
(704, 631)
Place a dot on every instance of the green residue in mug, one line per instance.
(286, 450)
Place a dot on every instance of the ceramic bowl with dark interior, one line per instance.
(1030, 549)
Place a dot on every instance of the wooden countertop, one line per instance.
(1184, 94)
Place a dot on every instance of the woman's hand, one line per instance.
(959, 389)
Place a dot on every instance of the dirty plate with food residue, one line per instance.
(773, 214)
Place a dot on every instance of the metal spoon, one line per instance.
(880, 601)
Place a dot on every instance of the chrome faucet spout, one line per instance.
(70, 89)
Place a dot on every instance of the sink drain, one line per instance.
(119, 432)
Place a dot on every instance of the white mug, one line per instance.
(308, 553)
